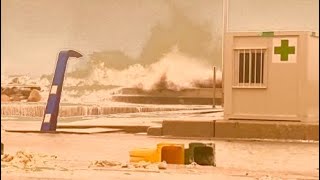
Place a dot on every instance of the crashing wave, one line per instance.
(175, 71)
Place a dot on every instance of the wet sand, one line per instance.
(234, 159)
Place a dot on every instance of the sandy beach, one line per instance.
(70, 156)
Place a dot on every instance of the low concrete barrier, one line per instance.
(138, 99)
(192, 96)
(228, 129)
(186, 128)
(192, 92)
(154, 131)
(266, 130)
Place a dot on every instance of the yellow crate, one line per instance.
(172, 153)
(143, 154)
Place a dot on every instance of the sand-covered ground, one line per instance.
(76, 156)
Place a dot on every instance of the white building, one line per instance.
(271, 76)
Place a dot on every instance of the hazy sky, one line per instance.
(274, 15)
(34, 31)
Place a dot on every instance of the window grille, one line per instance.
(250, 68)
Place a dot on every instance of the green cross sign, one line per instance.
(284, 50)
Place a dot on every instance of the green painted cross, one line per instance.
(284, 50)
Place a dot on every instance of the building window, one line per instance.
(250, 68)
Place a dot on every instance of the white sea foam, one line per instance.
(174, 71)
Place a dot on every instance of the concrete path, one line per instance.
(131, 122)
(205, 123)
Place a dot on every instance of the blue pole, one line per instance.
(49, 122)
